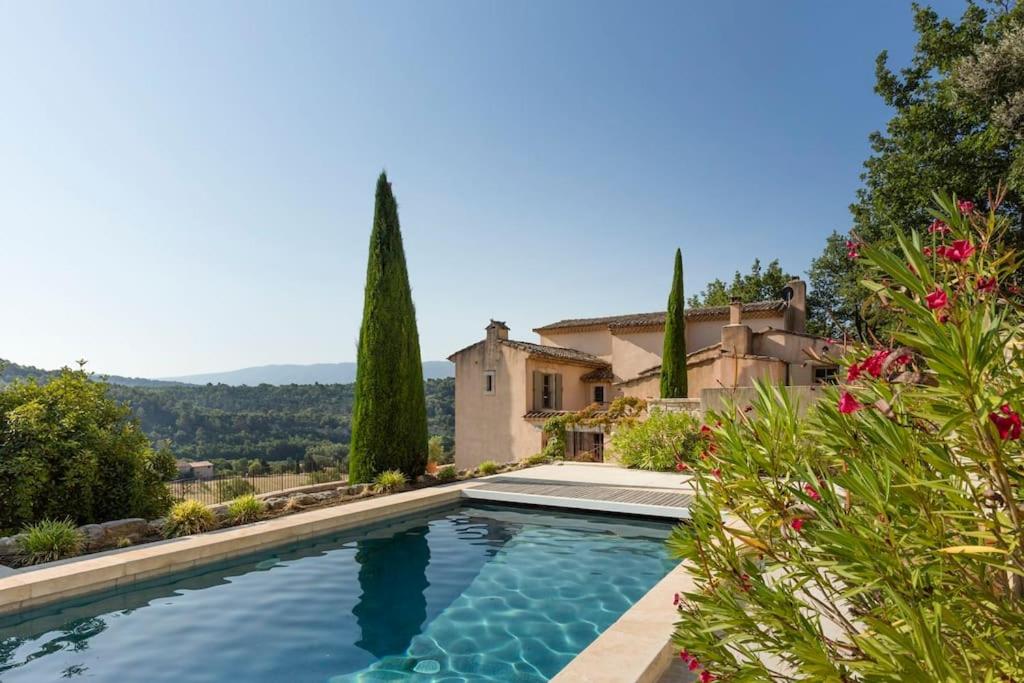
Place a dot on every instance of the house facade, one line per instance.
(506, 389)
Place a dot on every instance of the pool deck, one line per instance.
(590, 486)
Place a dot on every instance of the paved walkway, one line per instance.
(589, 486)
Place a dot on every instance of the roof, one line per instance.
(201, 463)
(603, 374)
(555, 353)
(657, 319)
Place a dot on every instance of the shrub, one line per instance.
(487, 467)
(328, 474)
(879, 538)
(389, 481)
(68, 450)
(538, 459)
(228, 489)
(665, 441)
(49, 540)
(447, 473)
(245, 509)
(188, 517)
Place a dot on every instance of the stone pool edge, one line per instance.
(637, 647)
(29, 589)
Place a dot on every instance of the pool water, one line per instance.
(461, 594)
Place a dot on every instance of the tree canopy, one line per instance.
(389, 418)
(757, 285)
(673, 357)
(958, 110)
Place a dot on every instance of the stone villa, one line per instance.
(506, 389)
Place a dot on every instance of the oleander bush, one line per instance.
(487, 467)
(188, 517)
(880, 538)
(447, 473)
(665, 441)
(69, 450)
(48, 540)
(389, 481)
(246, 509)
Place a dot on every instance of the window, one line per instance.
(547, 391)
(825, 375)
(598, 394)
(489, 382)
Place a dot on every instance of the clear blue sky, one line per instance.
(188, 186)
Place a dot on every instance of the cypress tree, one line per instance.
(389, 417)
(673, 357)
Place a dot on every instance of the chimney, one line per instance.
(497, 330)
(795, 295)
(735, 311)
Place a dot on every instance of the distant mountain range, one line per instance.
(11, 371)
(317, 373)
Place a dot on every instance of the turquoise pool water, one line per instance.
(461, 594)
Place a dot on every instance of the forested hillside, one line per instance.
(264, 422)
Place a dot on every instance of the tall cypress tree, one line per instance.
(673, 357)
(389, 418)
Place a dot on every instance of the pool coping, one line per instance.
(36, 587)
(638, 646)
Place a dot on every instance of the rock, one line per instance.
(134, 529)
(95, 535)
(9, 546)
(323, 496)
(157, 526)
(463, 474)
(357, 489)
(426, 480)
(275, 503)
(220, 511)
(302, 499)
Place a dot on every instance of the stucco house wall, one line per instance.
(594, 342)
(491, 426)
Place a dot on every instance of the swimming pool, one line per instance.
(460, 594)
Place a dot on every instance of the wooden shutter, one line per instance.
(538, 390)
(558, 392)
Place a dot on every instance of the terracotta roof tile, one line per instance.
(657, 318)
(555, 353)
(599, 375)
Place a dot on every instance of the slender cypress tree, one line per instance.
(389, 418)
(673, 357)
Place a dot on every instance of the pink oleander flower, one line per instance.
(852, 249)
(706, 676)
(958, 252)
(848, 404)
(812, 493)
(694, 664)
(680, 466)
(938, 227)
(705, 431)
(853, 372)
(986, 285)
(717, 473)
(745, 583)
(965, 206)
(685, 656)
(676, 600)
(797, 524)
(937, 299)
(927, 251)
(1007, 422)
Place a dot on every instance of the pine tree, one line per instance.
(673, 357)
(389, 418)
